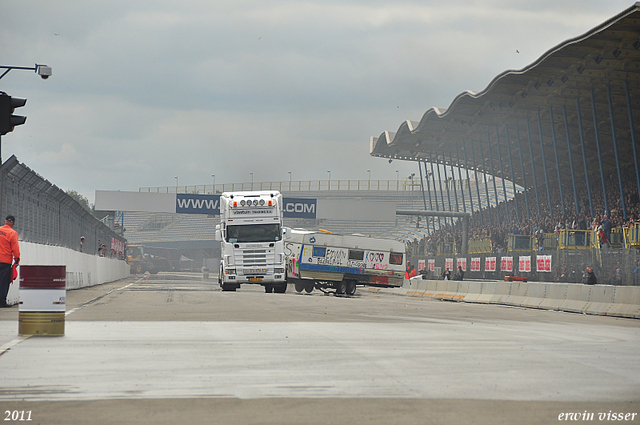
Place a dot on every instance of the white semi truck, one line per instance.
(327, 261)
(252, 240)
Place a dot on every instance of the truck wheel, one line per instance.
(351, 287)
(228, 288)
(341, 288)
(299, 286)
(139, 268)
(268, 288)
(280, 289)
(309, 288)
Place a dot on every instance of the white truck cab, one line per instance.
(252, 236)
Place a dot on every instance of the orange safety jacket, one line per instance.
(9, 249)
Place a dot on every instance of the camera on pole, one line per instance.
(8, 105)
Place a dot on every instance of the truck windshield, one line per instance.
(254, 233)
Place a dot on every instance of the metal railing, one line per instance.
(405, 185)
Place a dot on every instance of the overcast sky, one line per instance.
(143, 91)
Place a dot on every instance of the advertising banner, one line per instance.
(475, 264)
(543, 263)
(448, 263)
(525, 263)
(506, 264)
(421, 265)
(490, 264)
(462, 262)
(432, 265)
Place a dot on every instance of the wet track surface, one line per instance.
(174, 342)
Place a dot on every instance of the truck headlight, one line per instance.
(230, 271)
(278, 270)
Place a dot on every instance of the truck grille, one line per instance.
(255, 261)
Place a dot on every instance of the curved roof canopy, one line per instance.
(540, 116)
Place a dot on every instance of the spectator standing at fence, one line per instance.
(9, 253)
(447, 274)
(591, 278)
(459, 274)
(602, 235)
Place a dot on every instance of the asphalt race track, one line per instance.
(172, 348)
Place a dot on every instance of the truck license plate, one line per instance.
(255, 279)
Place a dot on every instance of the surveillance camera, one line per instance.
(43, 71)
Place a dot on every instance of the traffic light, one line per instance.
(7, 106)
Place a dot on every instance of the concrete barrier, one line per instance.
(555, 295)
(600, 299)
(626, 302)
(536, 293)
(577, 298)
(82, 269)
(517, 293)
(620, 301)
(473, 292)
(501, 292)
(487, 293)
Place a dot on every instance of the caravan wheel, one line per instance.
(351, 287)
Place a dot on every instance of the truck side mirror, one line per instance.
(286, 233)
(218, 233)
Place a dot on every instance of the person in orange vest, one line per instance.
(412, 272)
(9, 253)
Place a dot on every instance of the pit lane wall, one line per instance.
(604, 300)
(82, 269)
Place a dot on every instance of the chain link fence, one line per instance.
(45, 214)
(611, 266)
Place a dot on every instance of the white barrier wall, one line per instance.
(82, 269)
(604, 300)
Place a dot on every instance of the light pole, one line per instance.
(369, 182)
(289, 177)
(251, 179)
(176, 177)
(213, 176)
(329, 172)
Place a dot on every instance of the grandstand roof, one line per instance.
(593, 69)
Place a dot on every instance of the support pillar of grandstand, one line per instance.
(615, 150)
(533, 168)
(435, 190)
(584, 156)
(633, 138)
(573, 174)
(441, 191)
(464, 204)
(524, 180)
(473, 153)
(426, 174)
(466, 168)
(462, 215)
(555, 152)
(495, 189)
(446, 180)
(453, 183)
(504, 187)
(544, 164)
(486, 185)
(424, 198)
(595, 125)
(513, 179)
